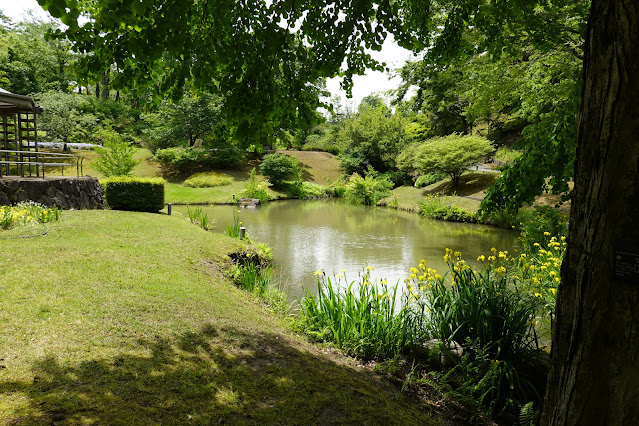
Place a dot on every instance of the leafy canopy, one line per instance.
(450, 155)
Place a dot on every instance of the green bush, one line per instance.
(367, 190)
(353, 162)
(207, 180)
(135, 194)
(278, 168)
(255, 188)
(539, 225)
(115, 158)
(429, 179)
(183, 159)
(433, 207)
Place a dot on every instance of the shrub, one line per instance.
(353, 162)
(278, 168)
(183, 159)
(207, 180)
(135, 194)
(255, 188)
(115, 158)
(429, 179)
(450, 155)
(434, 208)
(367, 190)
(539, 225)
(506, 156)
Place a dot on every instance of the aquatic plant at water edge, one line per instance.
(232, 229)
(359, 318)
(198, 217)
(492, 315)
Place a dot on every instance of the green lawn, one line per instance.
(125, 318)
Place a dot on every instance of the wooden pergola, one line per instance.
(19, 133)
(19, 152)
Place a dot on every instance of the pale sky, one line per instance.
(371, 82)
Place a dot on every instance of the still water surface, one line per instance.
(333, 235)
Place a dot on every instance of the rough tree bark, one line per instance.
(594, 375)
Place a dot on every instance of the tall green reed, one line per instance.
(360, 318)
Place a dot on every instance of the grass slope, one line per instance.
(319, 167)
(467, 195)
(124, 318)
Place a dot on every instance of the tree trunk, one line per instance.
(594, 374)
(97, 90)
(105, 85)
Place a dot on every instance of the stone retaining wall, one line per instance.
(64, 193)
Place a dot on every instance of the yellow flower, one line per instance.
(501, 270)
(493, 249)
(340, 276)
(481, 258)
(370, 268)
(457, 254)
(414, 270)
(547, 233)
(538, 295)
(438, 277)
(384, 282)
(491, 258)
(318, 272)
(553, 291)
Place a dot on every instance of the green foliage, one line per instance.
(434, 208)
(178, 124)
(373, 137)
(26, 213)
(490, 315)
(429, 179)
(255, 188)
(135, 194)
(198, 217)
(539, 225)
(367, 190)
(359, 318)
(278, 168)
(451, 155)
(185, 159)
(506, 156)
(115, 158)
(30, 62)
(207, 180)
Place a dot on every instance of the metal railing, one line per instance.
(26, 162)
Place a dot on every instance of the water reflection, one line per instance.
(333, 235)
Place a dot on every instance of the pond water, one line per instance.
(333, 235)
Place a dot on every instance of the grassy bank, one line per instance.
(125, 318)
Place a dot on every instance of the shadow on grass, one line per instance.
(211, 376)
(469, 184)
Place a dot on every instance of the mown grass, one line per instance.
(124, 318)
(318, 167)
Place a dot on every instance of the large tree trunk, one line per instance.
(594, 375)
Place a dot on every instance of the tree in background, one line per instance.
(372, 137)
(451, 155)
(31, 63)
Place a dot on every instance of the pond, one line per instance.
(332, 235)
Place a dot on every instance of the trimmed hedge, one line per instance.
(134, 194)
